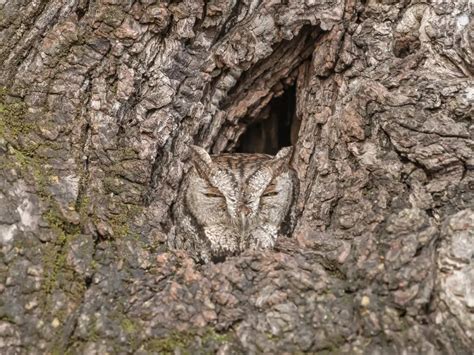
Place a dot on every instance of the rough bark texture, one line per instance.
(100, 100)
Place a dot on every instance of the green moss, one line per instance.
(125, 153)
(185, 341)
(113, 16)
(56, 351)
(83, 208)
(217, 337)
(34, 169)
(168, 345)
(13, 126)
(25, 157)
(12, 118)
(7, 318)
(120, 222)
(31, 167)
(128, 326)
(57, 223)
(93, 333)
(51, 268)
(58, 273)
(271, 336)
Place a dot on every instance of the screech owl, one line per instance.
(232, 202)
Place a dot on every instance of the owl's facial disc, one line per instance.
(234, 192)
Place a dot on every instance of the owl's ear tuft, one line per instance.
(281, 161)
(201, 160)
(284, 153)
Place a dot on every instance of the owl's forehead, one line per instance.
(241, 166)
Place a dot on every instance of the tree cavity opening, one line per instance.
(276, 127)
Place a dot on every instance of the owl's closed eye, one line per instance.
(213, 192)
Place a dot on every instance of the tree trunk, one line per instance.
(99, 104)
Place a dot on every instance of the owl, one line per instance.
(232, 202)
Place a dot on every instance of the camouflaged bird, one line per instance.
(232, 202)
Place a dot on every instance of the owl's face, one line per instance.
(239, 200)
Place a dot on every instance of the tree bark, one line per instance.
(99, 103)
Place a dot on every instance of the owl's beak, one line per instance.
(244, 221)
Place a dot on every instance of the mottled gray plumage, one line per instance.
(232, 202)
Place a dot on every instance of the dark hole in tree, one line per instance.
(277, 126)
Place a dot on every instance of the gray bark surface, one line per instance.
(99, 102)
